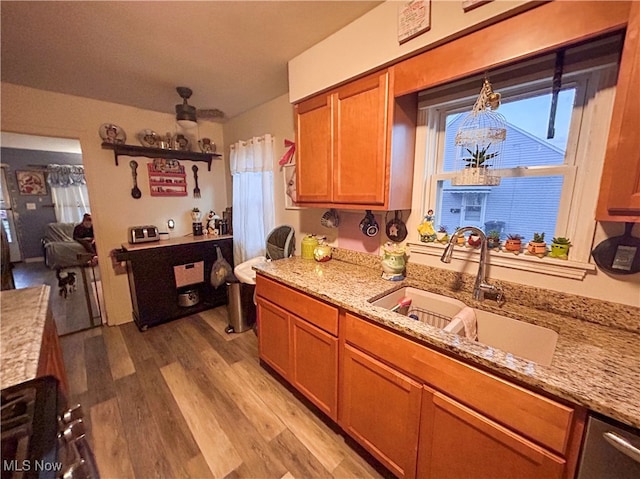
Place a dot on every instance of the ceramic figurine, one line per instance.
(212, 217)
(426, 230)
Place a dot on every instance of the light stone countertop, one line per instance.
(594, 366)
(23, 313)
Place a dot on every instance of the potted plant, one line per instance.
(477, 158)
(513, 243)
(493, 239)
(441, 234)
(537, 246)
(560, 248)
(476, 169)
(461, 240)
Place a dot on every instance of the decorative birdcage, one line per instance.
(479, 141)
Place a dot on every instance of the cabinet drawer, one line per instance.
(532, 415)
(312, 310)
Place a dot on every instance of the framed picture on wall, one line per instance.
(31, 183)
(290, 194)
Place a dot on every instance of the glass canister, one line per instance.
(309, 244)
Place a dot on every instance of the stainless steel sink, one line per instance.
(519, 338)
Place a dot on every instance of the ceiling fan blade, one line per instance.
(210, 114)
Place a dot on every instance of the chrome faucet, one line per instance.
(481, 286)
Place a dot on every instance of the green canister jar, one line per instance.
(309, 244)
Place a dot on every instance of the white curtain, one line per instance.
(69, 192)
(253, 210)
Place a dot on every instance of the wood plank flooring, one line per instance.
(186, 400)
(71, 313)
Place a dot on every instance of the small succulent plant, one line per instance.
(538, 238)
(561, 240)
(494, 235)
(515, 237)
(478, 157)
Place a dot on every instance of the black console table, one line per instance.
(152, 280)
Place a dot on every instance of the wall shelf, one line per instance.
(133, 150)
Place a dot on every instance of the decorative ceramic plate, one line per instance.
(111, 133)
(149, 138)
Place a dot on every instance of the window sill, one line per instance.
(522, 261)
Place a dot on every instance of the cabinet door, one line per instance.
(620, 189)
(380, 409)
(360, 172)
(51, 361)
(314, 150)
(457, 443)
(273, 337)
(315, 365)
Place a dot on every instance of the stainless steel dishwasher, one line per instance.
(610, 450)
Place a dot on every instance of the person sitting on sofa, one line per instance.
(83, 234)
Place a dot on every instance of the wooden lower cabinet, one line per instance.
(315, 365)
(273, 337)
(420, 413)
(459, 443)
(381, 410)
(300, 352)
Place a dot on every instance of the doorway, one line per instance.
(8, 221)
(28, 213)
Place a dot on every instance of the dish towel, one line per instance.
(468, 318)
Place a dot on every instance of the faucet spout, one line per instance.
(481, 286)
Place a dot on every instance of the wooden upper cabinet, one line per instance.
(314, 149)
(344, 142)
(619, 198)
(360, 140)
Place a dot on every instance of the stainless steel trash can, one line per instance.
(241, 309)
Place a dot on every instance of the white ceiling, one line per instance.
(232, 54)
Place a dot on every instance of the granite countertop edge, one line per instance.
(594, 366)
(24, 313)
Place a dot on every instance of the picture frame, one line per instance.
(414, 18)
(31, 183)
(289, 180)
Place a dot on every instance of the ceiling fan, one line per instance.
(187, 115)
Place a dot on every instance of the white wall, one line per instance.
(371, 41)
(38, 112)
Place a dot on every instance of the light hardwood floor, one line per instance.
(186, 400)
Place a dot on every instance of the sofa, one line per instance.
(60, 249)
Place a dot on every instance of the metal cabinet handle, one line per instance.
(622, 445)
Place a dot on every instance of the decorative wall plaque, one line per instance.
(414, 18)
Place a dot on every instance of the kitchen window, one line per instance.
(547, 185)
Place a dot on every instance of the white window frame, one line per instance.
(582, 169)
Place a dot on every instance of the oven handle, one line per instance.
(622, 445)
